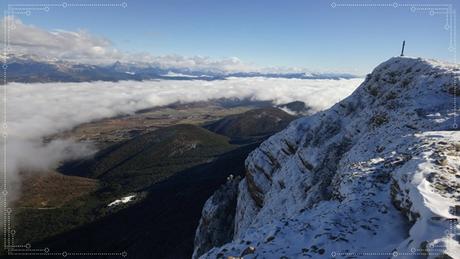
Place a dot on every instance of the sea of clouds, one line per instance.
(35, 111)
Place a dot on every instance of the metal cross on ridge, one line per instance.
(402, 50)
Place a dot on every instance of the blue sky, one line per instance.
(292, 33)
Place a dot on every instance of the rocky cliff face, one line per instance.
(218, 217)
(377, 174)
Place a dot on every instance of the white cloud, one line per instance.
(35, 156)
(232, 64)
(57, 44)
(82, 47)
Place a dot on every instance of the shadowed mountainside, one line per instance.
(253, 124)
(163, 224)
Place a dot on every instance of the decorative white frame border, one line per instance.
(28, 9)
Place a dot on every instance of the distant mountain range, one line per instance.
(31, 69)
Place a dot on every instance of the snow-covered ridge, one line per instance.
(378, 174)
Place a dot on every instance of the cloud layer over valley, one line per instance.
(35, 111)
(38, 110)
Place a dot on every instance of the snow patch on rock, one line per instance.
(377, 173)
(123, 200)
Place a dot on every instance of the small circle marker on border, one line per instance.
(47, 250)
(395, 254)
(395, 5)
(334, 254)
(65, 4)
(124, 4)
(64, 254)
(28, 246)
(124, 254)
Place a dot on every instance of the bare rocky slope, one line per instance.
(378, 174)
